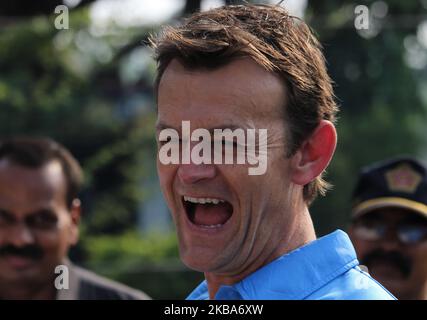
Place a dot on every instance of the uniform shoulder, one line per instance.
(96, 287)
(354, 284)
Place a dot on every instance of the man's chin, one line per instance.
(195, 264)
(199, 261)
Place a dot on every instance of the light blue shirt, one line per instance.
(326, 268)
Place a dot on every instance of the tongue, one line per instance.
(212, 214)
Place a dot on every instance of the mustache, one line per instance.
(31, 251)
(395, 258)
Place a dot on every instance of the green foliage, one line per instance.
(150, 263)
(129, 251)
(70, 85)
(382, 111)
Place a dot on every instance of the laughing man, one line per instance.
(254, 66)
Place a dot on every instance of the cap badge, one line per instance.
(403, 178)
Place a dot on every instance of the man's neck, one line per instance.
(300, 234)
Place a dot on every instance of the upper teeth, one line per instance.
(202, 200)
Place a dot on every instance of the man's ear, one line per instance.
(75, 213)
(314, 154)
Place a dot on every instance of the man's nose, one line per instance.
(20, 235)
(192, 173)
(391, 242)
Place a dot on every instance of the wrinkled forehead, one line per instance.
(26, 188)
(241, 86)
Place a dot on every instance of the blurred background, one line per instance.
(88, 85)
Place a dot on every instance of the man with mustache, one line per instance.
(389, 225)
(252, 68)
(39, 217)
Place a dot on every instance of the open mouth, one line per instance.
(207, 213)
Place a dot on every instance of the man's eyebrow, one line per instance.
(6, 213)
(161, 126)
(231, 127)
(414, 218)
(49, 211)
(42, 211)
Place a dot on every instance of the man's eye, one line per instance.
(228, 143)
(231, 145)
(43, 221)
(413, 233)
(5, 218)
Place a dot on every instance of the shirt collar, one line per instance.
(294, 275)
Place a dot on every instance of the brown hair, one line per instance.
(275, 40)
(36, 152)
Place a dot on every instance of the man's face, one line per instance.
(254, 219)
(397, 259)
(36, 226)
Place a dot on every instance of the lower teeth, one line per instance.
(211, 226)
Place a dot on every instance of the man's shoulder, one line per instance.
(95, 287)
(354, 284)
